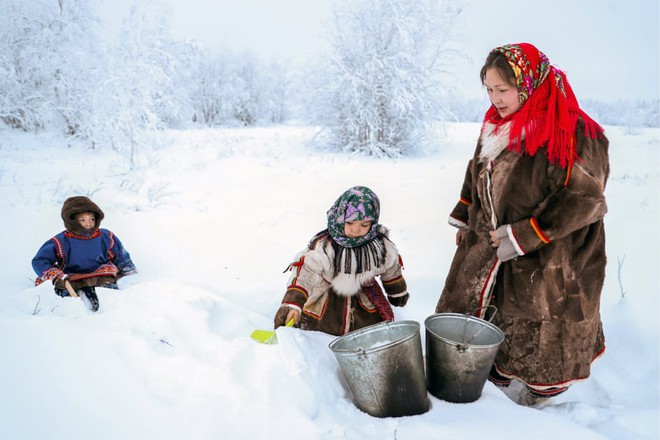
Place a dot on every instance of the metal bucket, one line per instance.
(384, 368)
(460, 350)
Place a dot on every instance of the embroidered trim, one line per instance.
(95, 234)
(347, 315)
(105, 270)
(570, 163)
(111, 254)
(568, 174)
(464, 201)
(298, 289)
(59, 251)
(487, 290)
(51, 274)
(538, 386)
(544, 238)
(298, 265)
(392, 281)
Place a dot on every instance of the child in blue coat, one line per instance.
(84, 255)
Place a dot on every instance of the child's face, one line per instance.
(357, 229)
(87, 220)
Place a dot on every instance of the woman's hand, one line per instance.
(494, 239)
(460, 234)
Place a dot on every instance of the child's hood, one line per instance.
(76, 205)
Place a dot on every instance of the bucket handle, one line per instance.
(478, 309)
(483, 327)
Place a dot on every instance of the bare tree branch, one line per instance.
(620, 267)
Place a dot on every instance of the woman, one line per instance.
(531, 239)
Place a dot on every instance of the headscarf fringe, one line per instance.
(368, 256)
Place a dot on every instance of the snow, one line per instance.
(211, 218)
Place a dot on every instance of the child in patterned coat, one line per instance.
(333, 287)
(84, 255)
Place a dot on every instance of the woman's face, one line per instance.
(502, 94)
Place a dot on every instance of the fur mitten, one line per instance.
(399, 301)
(59, 282)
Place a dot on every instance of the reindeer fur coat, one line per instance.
(548, 297)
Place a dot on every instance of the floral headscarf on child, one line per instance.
(355, 255)
(548, 111)
(356, 204)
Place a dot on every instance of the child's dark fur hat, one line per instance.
(75, 205)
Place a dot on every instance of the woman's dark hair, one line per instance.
(497, 61)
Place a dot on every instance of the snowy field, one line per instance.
(211, 219)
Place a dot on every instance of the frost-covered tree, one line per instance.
(131, 101)
(631, 114)
(48, 48)
(276, 83)
(211, 89)
(231, 89)
(246, 90)
(377, 88)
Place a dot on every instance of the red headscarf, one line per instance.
(548, 111)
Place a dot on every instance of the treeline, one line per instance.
(386, 76)
(57, 73)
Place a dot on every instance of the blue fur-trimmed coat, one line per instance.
(94, 260)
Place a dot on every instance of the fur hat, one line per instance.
(75, 205)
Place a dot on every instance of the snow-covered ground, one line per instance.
(212, 218)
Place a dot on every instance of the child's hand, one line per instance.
(284, 314)
(60, 281)
(295, 315)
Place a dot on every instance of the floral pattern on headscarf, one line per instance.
(529, 73)
(358, 203)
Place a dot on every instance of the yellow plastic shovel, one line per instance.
(268, 336)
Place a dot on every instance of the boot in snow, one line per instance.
(90, 294)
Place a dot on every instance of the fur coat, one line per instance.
(548, 297)
(337, 303)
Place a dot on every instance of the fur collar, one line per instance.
(494, 139)
(349, 284)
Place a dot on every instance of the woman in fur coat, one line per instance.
(333, 287)
(531, 239)
(84, 255)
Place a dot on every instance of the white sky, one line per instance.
(609, 49)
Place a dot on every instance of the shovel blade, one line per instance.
(268, 336)
(264, 336)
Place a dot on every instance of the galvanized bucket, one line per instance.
(384, 368)
(460, 350)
